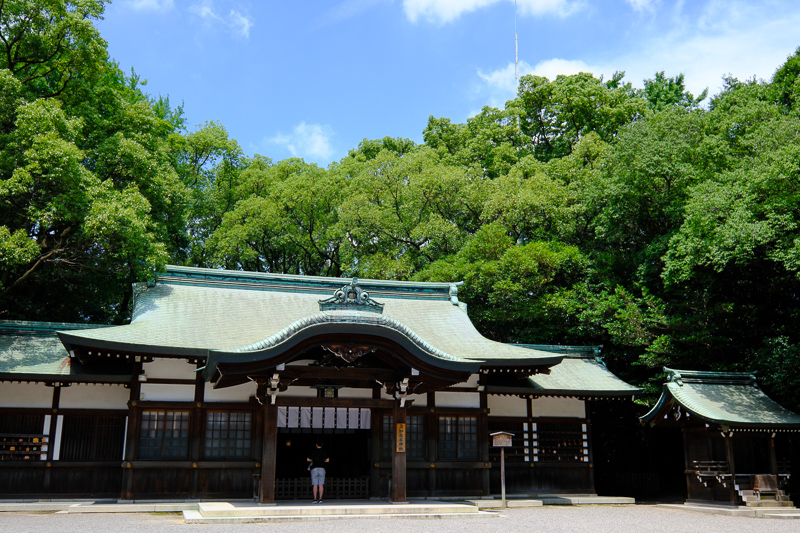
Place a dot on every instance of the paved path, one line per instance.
(588, 519)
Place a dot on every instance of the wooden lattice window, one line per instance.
(164, 434)
(563, 442)
(92, 438)
(458, 437)
(415, 437)
(22, 438)
(228, 435)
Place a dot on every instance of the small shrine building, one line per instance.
(737, 441)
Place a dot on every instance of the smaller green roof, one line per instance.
(33, 351)
(730, 399)
(581, 373)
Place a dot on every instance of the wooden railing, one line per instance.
(707, 471)
(335, 488)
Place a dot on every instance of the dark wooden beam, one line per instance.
(734, 497)
(346, 373)
(334, 402)
(132, 435)
(483, 434)
(398, 457)
(376, 430)
(269, 454)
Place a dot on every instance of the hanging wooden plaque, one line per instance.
(401, 438)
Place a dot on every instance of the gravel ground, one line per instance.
(588, 519)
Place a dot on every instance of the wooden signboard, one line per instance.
(501, 439)
(401, 438)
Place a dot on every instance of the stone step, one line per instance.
(740, 511)
(511, 504)
(228, 509)
(794, 514)
(777, 512)
(228, 513)
(587, 500)
(155, 507)
(770, 503)
(194, 517)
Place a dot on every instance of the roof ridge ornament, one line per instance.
(349, 297)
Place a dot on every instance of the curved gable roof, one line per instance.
(226, 315)
(724, 398)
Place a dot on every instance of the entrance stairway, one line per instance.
(764, 496)
(248, 513)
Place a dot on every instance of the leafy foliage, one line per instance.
(583, 212)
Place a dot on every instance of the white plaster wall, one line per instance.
(57, 440)
(239, 393)
(420, 400)
(355, 393)
(25, 395)
(90, 396)
(458, 399)
(169, 369)
(471, 382)
(507, 406)
(301, 392)
(566, 407)
(152, 392)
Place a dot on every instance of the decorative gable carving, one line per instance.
(351, 298)
(348, 353)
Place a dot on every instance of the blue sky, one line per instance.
(311, 79)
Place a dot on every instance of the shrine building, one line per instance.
(223, 381)
(737, 440)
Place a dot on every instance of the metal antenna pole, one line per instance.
(516, 46)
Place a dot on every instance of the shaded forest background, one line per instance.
(663, 226)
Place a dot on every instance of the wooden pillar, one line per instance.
(483, 438)
(399, 457)
(375, 432)
(687, 465)
(773, 458)
(432, 448)
(533, 473)
(51, 435)
(195, 433)
(132, 432)
(591, 448)
(269, 454)
(734, 497)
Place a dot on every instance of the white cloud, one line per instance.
(240, 24)
(730, 37)
(349, 9)
(150, 5)
(642, 5)
(309, 141)
(444, 11)
(236, 22)
(500, 85)
(205, 10)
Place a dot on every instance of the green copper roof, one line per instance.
(33, 351)
(227, 315)
(725, 398)
(580, 373)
